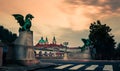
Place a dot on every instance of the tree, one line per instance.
(102, 40)
(7, 36)
(117, 53)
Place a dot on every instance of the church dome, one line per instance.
(42, 41)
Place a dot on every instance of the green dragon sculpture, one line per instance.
(86, 42)
(24, 23)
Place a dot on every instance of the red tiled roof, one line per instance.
(48, 45)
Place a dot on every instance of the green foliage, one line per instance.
(6, 36)
(117, 55)
(102, 40)
(118, 47)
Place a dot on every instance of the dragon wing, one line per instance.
(19, 18)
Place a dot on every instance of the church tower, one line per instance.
(46, 41)
(54, 40)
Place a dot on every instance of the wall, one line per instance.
(1, 55)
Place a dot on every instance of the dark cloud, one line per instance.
(75, 2)
(114, 4)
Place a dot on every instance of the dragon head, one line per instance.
(29, 16)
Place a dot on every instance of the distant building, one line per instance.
(45, 49)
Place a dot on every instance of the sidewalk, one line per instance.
(26, 68)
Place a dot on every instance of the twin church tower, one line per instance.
(42, 41)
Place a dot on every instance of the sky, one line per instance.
(67, 20)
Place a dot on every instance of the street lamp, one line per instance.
(65, 44)
(65, 53)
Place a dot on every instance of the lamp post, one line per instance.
(65, 52)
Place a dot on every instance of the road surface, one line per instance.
(82, 65)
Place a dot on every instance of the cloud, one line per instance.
(73, 37)
(93, 7)
(60, 17)
(81, 12)
(75, 16)
(113, 4)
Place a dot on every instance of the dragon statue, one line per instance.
(24, 23)
(86, 42)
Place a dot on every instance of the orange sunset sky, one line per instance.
(68, 20)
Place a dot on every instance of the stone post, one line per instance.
(24, 52)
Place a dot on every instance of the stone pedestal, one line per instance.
(65, 56)
(24, 52)
(86, 54)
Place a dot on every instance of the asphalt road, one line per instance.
(82, 65)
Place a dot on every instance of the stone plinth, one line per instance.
(65, 56)
(24, 52)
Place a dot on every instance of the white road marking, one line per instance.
(92, 67)
(76, 67)
(108, 67)
(63, 66)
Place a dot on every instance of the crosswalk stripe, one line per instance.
(63, 66)
(108, 67)
(92, 67)
(77, 67)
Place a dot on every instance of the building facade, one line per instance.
(44, 49)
